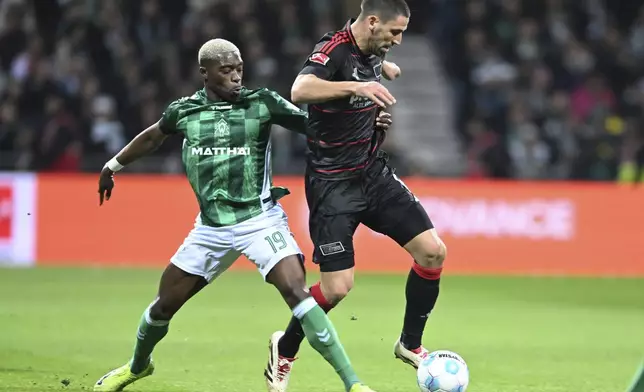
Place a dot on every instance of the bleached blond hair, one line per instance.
(216, 49)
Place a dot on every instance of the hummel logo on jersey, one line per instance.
(227, 107)
(324, 336)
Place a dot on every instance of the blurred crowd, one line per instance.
(80, 78)
(550, 89)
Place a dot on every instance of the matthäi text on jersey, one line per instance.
(227, 151)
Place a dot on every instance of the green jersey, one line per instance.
(227, 150)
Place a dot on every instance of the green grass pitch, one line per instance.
(517, 334)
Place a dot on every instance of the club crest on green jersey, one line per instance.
(222, 129)
(222, 135)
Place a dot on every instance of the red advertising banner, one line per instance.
(17, 218)
(6, 212)
(489, 227)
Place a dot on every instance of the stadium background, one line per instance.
(495, 95)
(519, 125)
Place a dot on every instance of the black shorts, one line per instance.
(377, 199)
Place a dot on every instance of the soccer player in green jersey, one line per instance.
(226, 153)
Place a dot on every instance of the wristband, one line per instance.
(114, 165)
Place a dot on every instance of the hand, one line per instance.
(383, 121)
(390, 70)
(105, 184)
(377, 93)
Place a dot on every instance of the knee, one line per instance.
(432, 254)
(293, 294)
(162, 310)
(289, 279)
(336, 290)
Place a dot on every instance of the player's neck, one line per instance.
(361, 34)
(212, 96)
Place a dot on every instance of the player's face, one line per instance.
(224, 77)
(387, 34)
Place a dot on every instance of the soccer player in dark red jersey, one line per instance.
(348, 180)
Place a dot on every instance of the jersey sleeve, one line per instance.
(285, 114)
(327, 58)
(169, 119)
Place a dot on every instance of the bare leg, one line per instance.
(175, 289)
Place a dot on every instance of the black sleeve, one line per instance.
(327, 58)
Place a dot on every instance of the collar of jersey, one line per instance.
(242, 95)
(347, 27)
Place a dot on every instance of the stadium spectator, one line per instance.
(543, 90)
(551, 88)
(80, 77)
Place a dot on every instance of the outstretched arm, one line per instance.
(143, 144)
(285, 114)
(291, 117)
(315, 82)
(309, 89)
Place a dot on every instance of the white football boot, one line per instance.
(278, 369)
(410, 357)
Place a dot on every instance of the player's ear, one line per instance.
(202, 71)
(373, 21)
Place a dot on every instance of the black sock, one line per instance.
(289, 344)
(421, 294)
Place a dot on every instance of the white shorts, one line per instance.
(265, 240)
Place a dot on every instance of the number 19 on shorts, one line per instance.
(276, 241)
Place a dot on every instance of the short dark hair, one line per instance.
(385, 9)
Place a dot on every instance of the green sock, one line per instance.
(324, 339)
(638, 383)
(149, 334)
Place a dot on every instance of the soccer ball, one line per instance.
(443, 371)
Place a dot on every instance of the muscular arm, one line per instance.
(309, 89)
(143, 144)
(315, 85)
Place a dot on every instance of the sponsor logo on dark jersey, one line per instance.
(319, 58)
